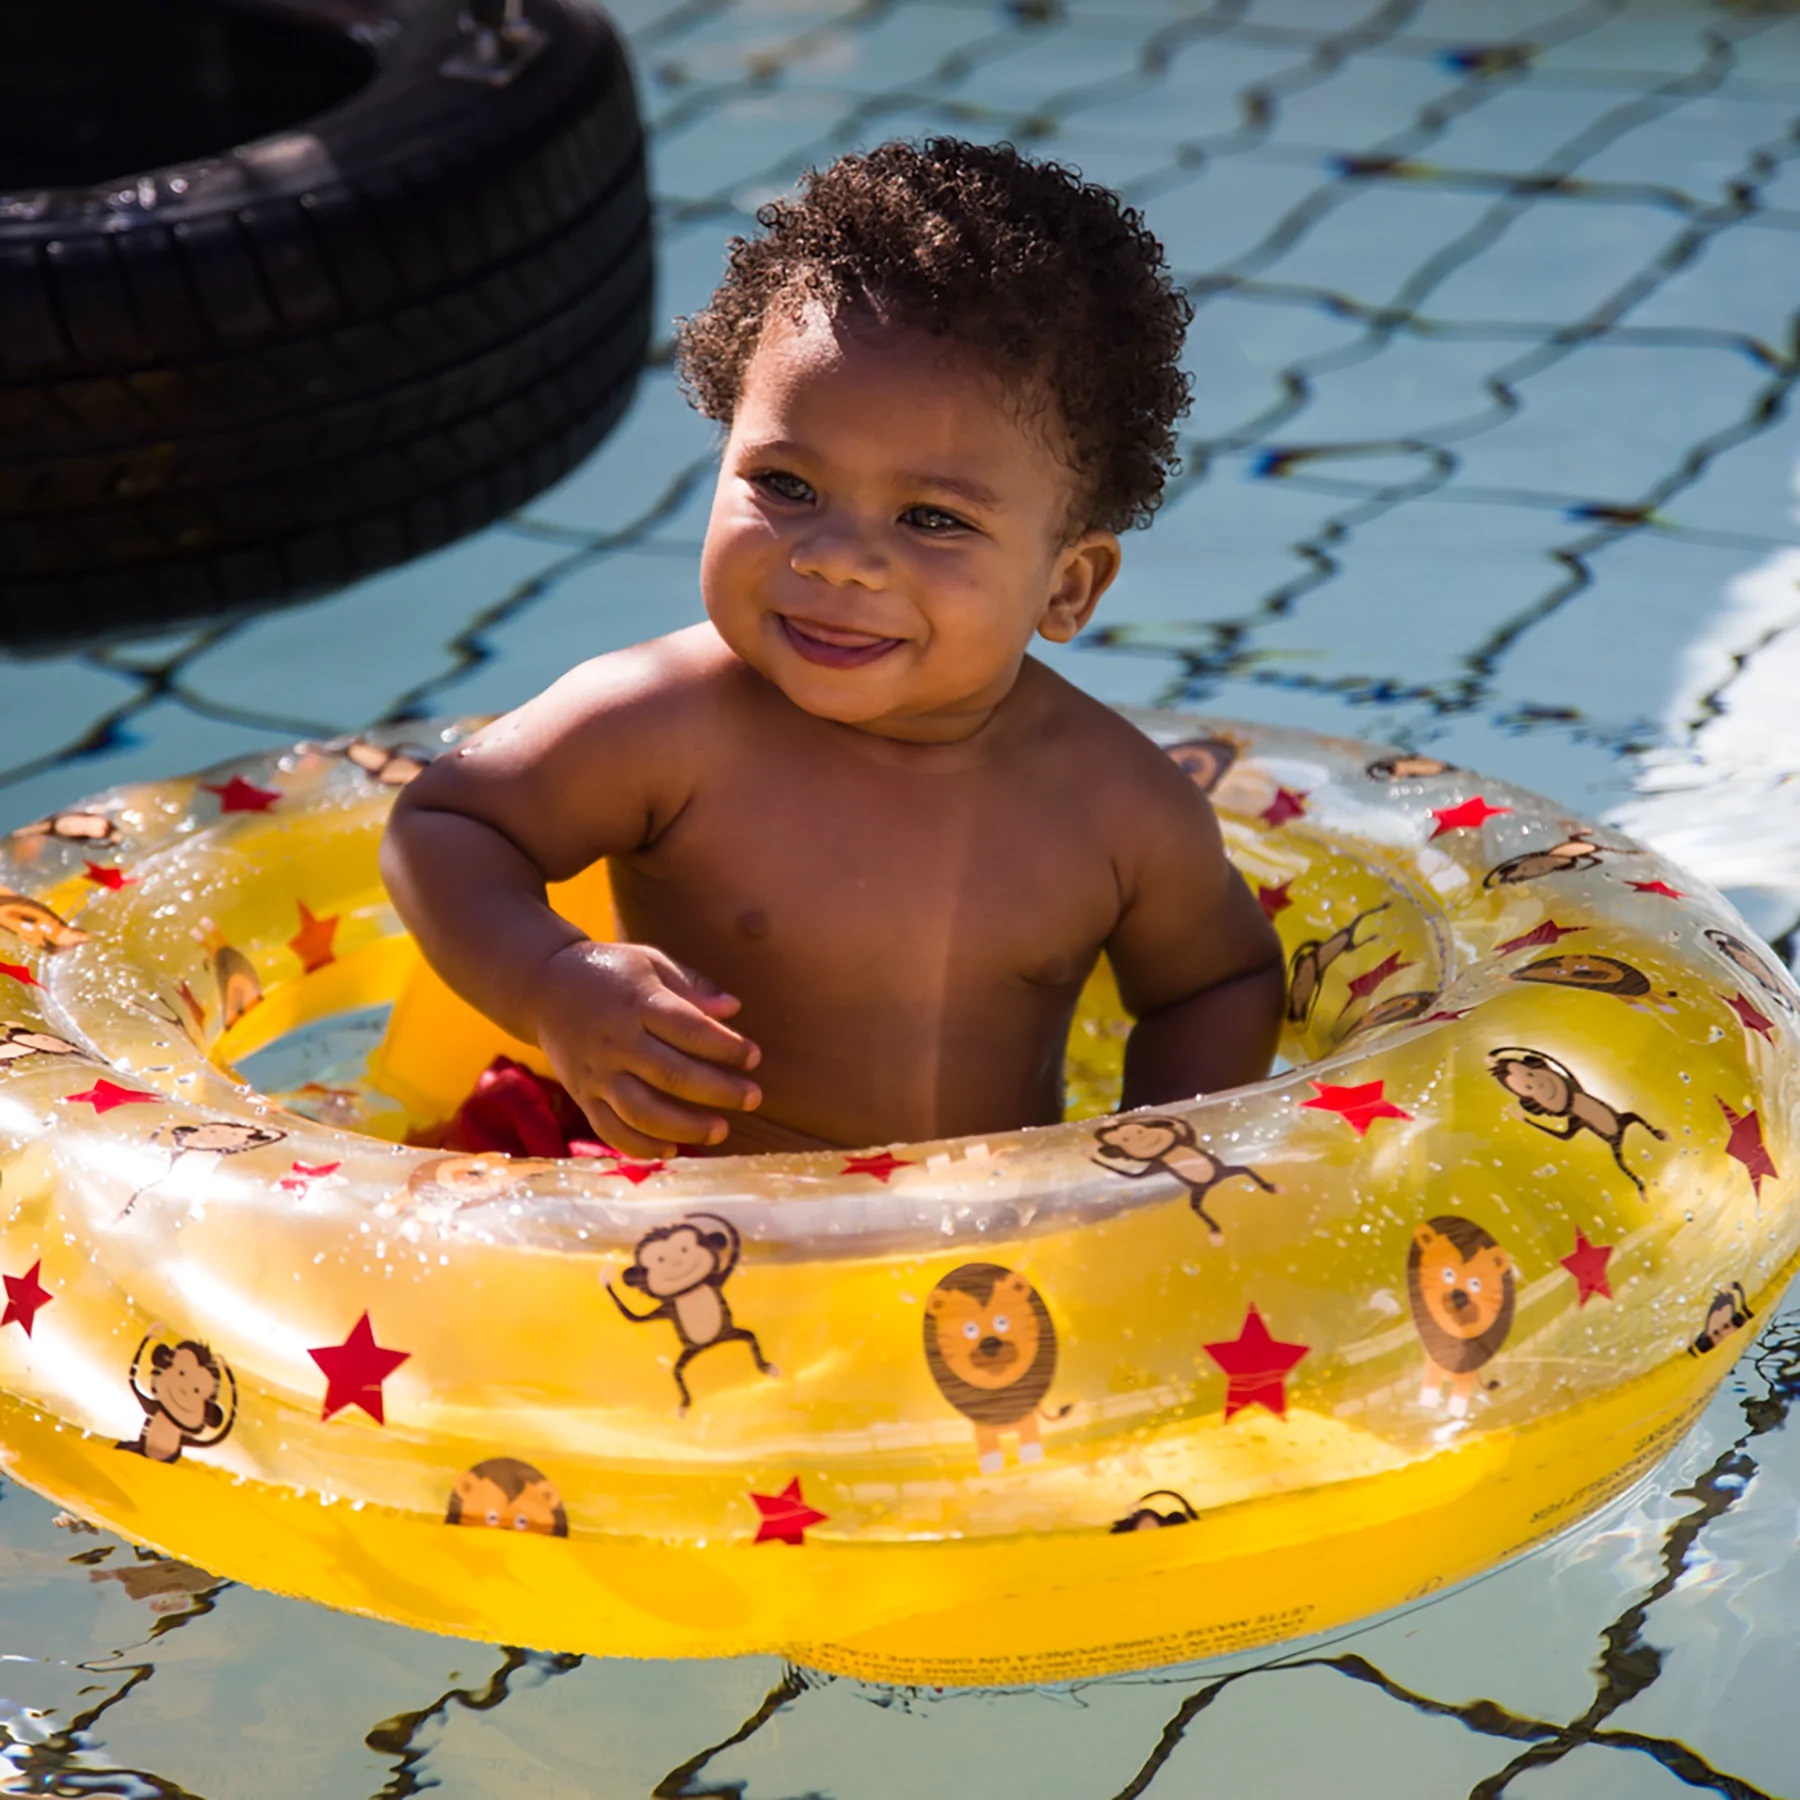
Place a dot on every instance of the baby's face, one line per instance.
(887, 536)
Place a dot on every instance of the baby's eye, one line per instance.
(782, 485)
(934, 521)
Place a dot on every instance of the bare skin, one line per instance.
(848, 814)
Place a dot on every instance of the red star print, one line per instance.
(1286, 805)
(103, 876)
(881, 1165)
(1657, 887)
(104, 1095)
(355, 1369)
(238, 795)
(1256, 1366)
(301, 1176)
(1274, 900)
(1358, 1106)
(1470, 815)
(312, 942)
(635, 1172)
(1367, 982)
(1587, 1263)
(1746, 1145)
(19, 972)
(24, 1295)
(786, 1518)
(1752, 1019)
(1539, 935)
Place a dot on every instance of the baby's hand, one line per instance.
(636, 1040)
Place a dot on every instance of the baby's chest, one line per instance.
(823, 877)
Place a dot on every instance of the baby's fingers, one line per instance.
(684, 1077)
(610, 1129)
(659, 1118)
(694, 987)
(681, 1025)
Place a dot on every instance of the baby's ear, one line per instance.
(1085, 568)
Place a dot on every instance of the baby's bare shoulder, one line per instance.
(601, 760)
(1107, 762)
(634, 701)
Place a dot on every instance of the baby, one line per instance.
(849, 814)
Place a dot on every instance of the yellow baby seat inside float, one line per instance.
(1114, 1393)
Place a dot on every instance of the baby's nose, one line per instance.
(843, 557)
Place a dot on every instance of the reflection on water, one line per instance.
(1559, 1659)
(1492, 451)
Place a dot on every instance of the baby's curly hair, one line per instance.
(1043, 275)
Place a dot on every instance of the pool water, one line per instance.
(1492, 452)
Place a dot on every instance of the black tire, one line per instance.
(282, 303)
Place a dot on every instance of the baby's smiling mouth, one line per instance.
(834, 646)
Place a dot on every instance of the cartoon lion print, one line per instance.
(1460, 1284)
(991, 1349)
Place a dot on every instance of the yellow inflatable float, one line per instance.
(1121, 1392)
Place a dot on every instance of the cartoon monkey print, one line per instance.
(1205, 761)
(460, 1181)
(1409, 767)
(1145, 1517)
(991, 1348)
(1546, 1090)
(1577, 852)
(239, 987)
(189, 1017)
(1393, 1009)
(1307, 966)
(508, 1495)
(74, 827)
(684, 1268)
(1727, 1311)
(390, 766)
(1581, 969)
(191, 1402)
(1737, 952)
(34, 924)
(1460, 1284)
(1139, 1145)
(213, 1140)
(20, 1041)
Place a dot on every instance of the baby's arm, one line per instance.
(1198, 966)
(598, 765)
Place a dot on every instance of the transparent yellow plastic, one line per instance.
(1120, 1392)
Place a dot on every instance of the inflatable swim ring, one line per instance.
(1114, 1393)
